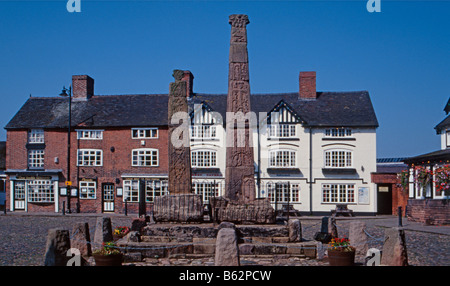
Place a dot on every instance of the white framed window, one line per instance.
(88, 190)
(338, 193)
(36, 136)
(90, 157)
(283, 192)
(90, 134)
(144, 133)
(281, 130)
(206, 189)
(41, 191)
(155, 188)
(447, 136)
(36, 159)
(203, 132)
(338, 159)
(131, 190)
(203, 159)
(282, 159)
(338, 132)
(144, 157)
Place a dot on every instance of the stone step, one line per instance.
(207, 247)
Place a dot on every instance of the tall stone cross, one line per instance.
(239, 172)
(179, 150)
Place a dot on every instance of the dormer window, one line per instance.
(36, 136)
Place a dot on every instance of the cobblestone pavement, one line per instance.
(23, 238)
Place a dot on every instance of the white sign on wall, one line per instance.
(363, 196)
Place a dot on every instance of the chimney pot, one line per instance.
(82, 87)
(188, 77)
(307, 85)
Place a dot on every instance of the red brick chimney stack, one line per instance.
(307, 82)
(188, 77)
(82, 87)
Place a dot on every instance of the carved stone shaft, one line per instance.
(239, 172)
(179, 150)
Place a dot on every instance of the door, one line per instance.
(19, 195)
(384, 199)
(108, 197)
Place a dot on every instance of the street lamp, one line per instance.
(68, 93)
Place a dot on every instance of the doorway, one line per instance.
(384, 199)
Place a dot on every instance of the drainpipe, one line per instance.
(310, 173)
(258, 175)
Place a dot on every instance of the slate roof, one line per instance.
(440, 155)
(330, 109)
(443, 124)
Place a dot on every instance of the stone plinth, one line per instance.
(178, 208)
(254, 212)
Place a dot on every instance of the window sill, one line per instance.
(338, 139)
(283, 139)
(339, 170)
(281, 170)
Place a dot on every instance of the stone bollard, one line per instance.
(227, 250)
(332, 228)
(358, 238)
(103, 232)
(295, 230)
(81, 239)
(58, 243)
(394, 247)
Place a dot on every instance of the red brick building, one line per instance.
(390, 194)
(112, 148)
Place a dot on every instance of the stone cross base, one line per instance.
(178, 208)
(258, 211)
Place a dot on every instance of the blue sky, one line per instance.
(401, 55)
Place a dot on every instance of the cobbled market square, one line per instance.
(314, 133)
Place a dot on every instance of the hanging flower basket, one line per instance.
(424, 176)
(442, 176)
(403, 177)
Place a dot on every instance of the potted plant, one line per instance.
(340, 253)
(120, 232)
(108, 255)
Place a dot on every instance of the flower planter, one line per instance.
(341, 258)
(116, 237)
(108, 260)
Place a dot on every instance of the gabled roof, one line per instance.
(442, 125)
(330, 109)
(98, 111)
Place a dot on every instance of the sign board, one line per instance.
(363, 196)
